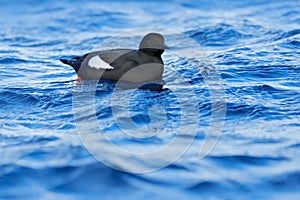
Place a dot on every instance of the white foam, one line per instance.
(98, 63)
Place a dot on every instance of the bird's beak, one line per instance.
(166, 46)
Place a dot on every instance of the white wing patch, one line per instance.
(98, 63)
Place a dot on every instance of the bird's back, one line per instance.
(125, 64)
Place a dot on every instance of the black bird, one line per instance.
(138, 66)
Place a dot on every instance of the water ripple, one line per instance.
(254, 45)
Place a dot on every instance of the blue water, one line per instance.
(254, 46)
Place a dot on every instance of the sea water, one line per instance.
(253, 49)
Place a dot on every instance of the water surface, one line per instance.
(255, 47)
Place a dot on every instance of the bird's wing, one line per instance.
(109, 59)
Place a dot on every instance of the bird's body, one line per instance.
(142, 65)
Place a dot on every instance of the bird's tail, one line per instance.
(65, 61)
(73, 63)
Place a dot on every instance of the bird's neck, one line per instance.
(152, 52)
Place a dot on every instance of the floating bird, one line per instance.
(137, 66)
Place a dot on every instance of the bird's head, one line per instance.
(153, 44)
